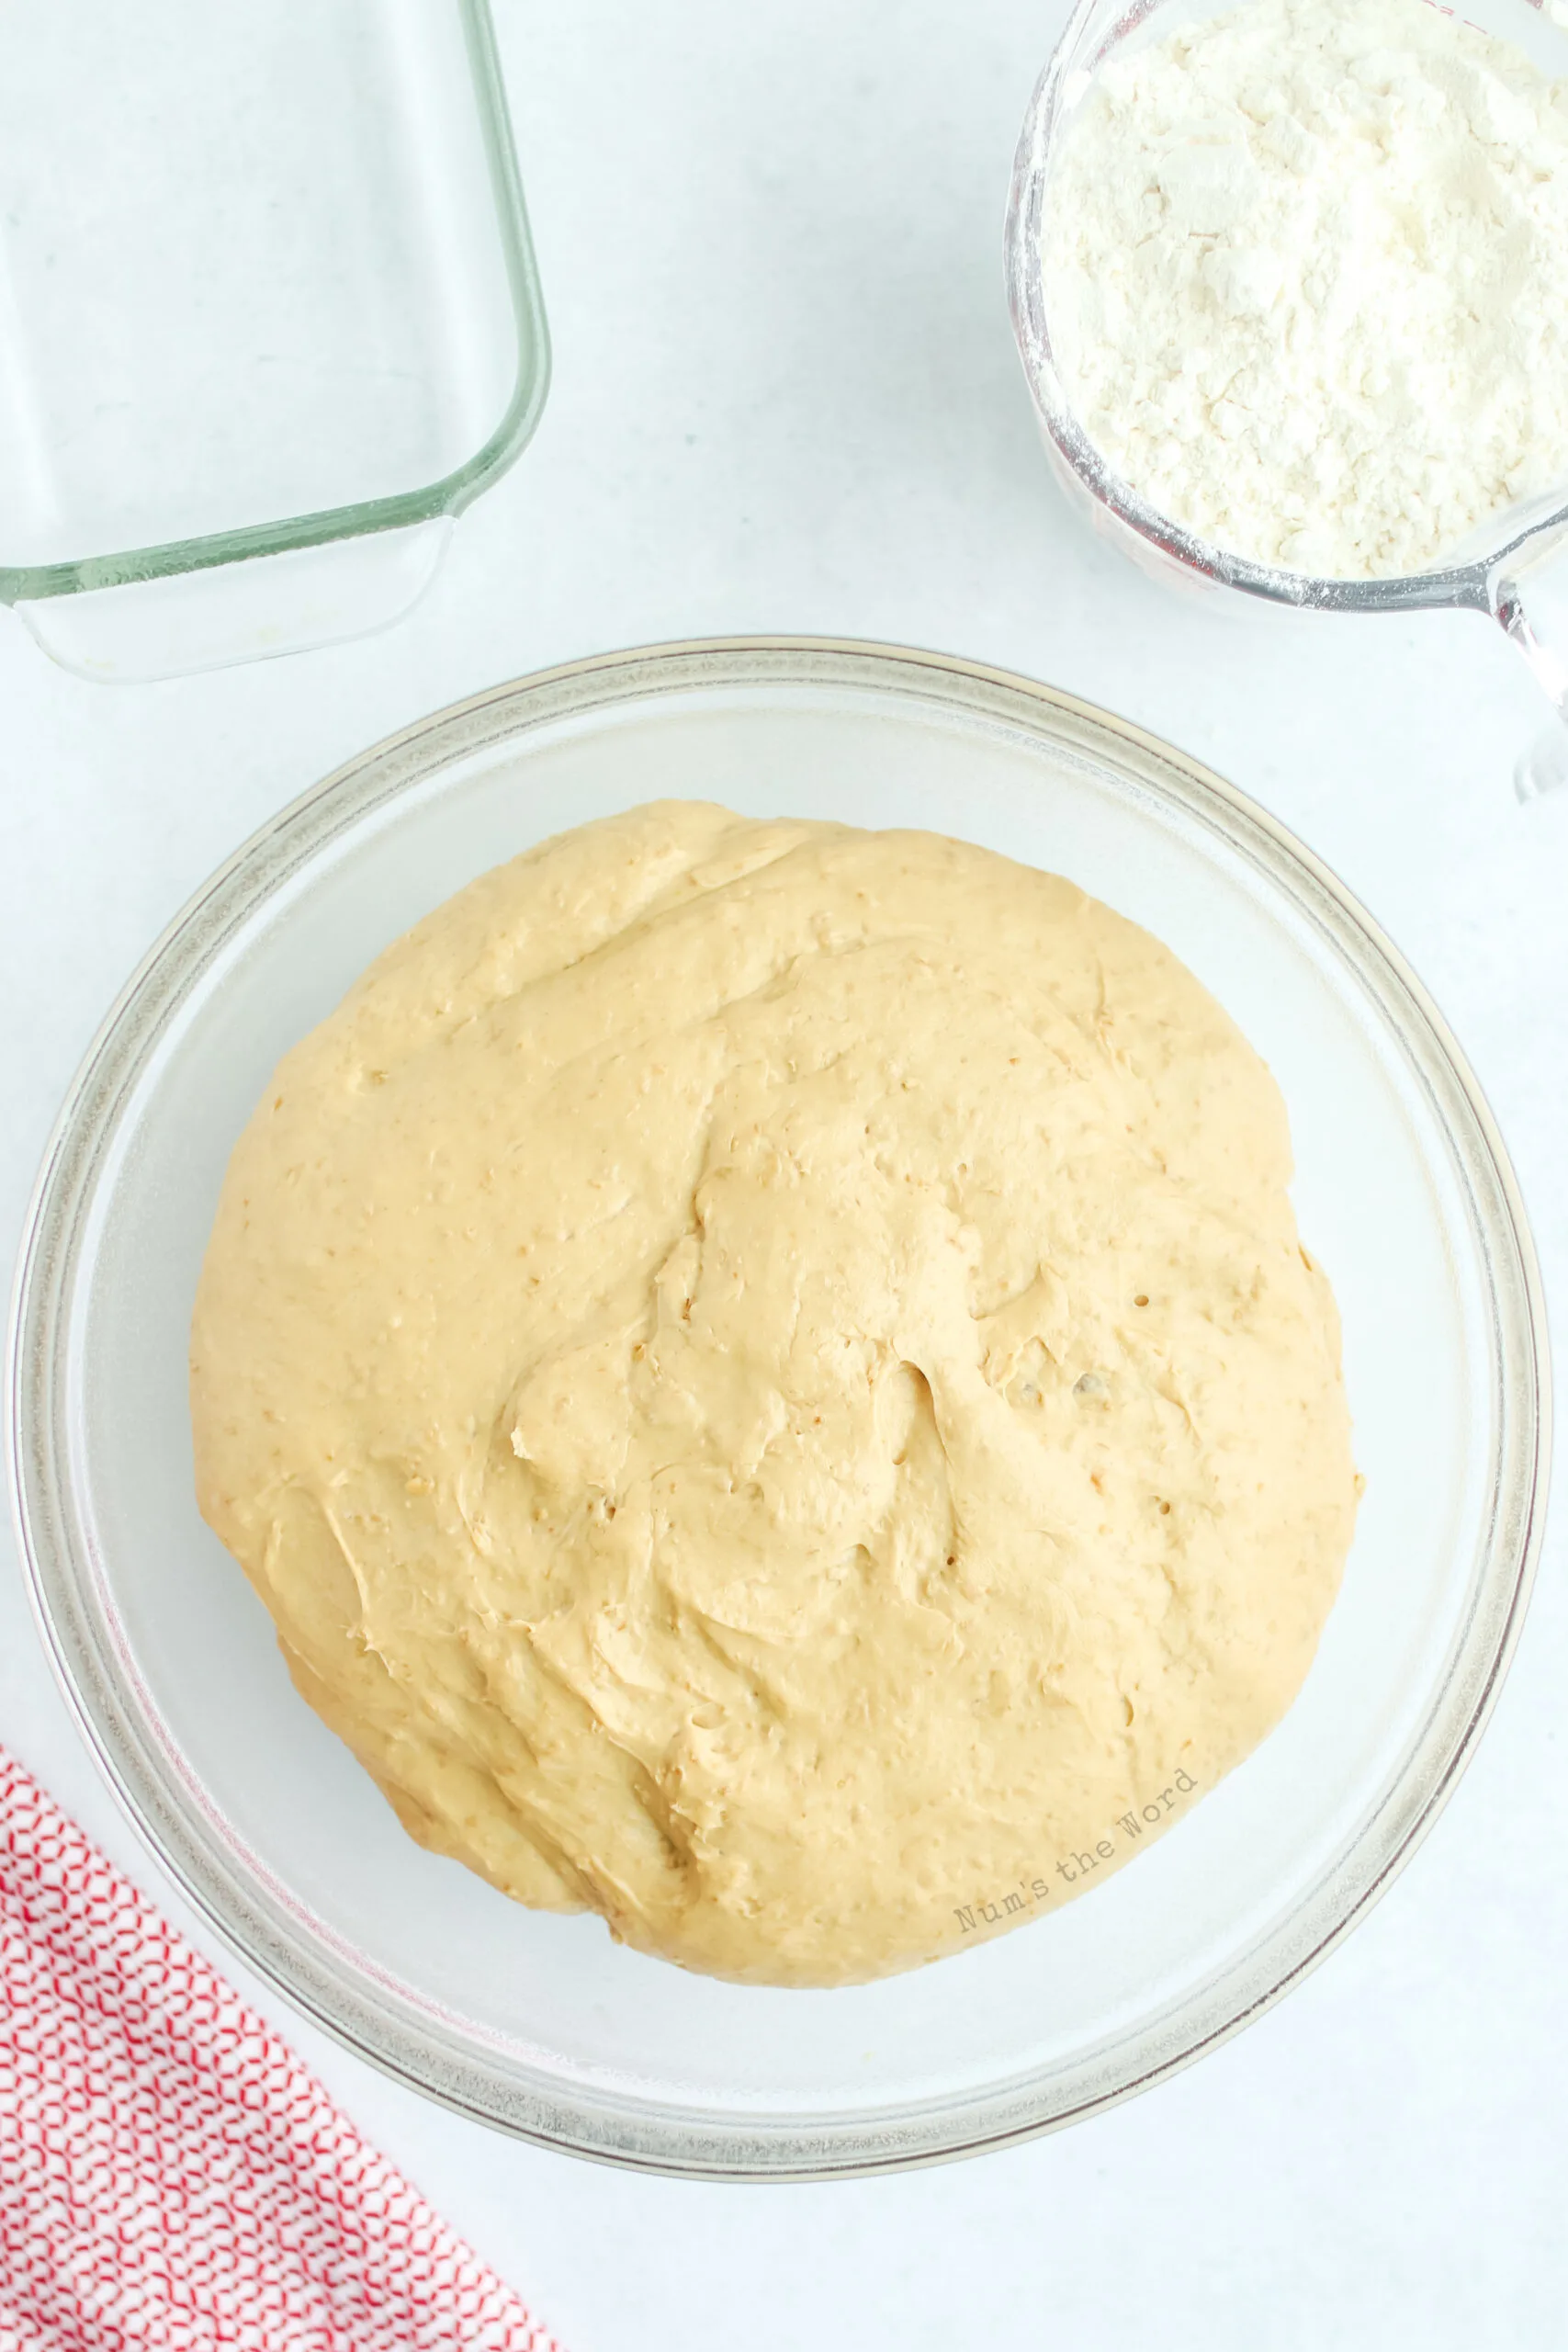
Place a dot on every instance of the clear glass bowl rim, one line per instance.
(346, 2002)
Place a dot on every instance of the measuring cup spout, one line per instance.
(1530, 601)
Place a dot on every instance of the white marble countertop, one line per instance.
(804, 413)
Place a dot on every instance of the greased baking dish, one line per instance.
(269, 318)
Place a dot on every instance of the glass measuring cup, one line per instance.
(1510, 571)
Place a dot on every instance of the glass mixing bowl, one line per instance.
(1515, 571)
(541, 2025)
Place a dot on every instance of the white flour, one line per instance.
(1306, 271)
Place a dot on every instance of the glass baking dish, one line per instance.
(269, 318)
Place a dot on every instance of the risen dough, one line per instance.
(766, 1376)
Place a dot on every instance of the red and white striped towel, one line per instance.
(170, 2175)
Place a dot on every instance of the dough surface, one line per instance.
(765, 1374)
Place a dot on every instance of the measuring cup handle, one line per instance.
(1530, 601)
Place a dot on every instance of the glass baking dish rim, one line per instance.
(360, 519)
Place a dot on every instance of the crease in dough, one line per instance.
(766, 1376)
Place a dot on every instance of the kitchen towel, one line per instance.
(171, 2176)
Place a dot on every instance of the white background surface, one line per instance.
(785, 397)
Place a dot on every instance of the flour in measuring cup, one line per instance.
(1306, 276)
